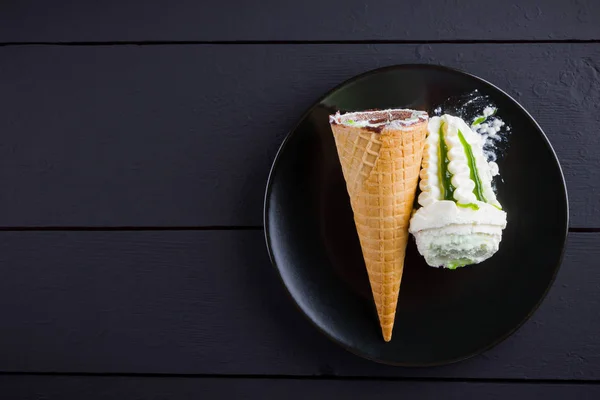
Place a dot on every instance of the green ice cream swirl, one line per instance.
(478, 190)
(445, 176)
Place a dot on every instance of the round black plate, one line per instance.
(443, 316)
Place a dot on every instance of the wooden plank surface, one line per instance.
(185, 135)
(103, 388)
(209, 302)
(158, 20)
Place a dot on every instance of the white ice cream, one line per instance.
(460, 221)
(452, 236)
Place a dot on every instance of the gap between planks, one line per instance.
(296, 42)
(307, 377)
(129, 228)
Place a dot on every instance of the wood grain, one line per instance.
(185, 135)
(210, 302)
(103, 388)
(64, 21)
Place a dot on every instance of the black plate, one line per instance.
(443, 316)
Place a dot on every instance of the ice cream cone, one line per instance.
(380, 154)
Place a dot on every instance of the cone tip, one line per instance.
(387, 334)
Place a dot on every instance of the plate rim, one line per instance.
(287, 139)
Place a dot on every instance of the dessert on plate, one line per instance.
(459, 221)
(380, 154)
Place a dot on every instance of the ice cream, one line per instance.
(380, 154)
(460, 220)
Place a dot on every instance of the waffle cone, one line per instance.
(381, 170)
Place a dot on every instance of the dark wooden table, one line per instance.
(135, 143)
